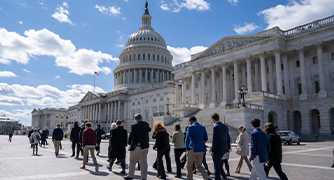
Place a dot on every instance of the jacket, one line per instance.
(195, 137)
(33, 137)
(80, 133)
(139, 135)
(99, 132)
(57, 134)
(118, 141)
(178, 140)
(75, 134)
(260, 145)
(88, 137)
(162, 140)
(275, 153)
(243, 142)
(221, 142)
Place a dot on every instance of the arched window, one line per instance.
(143, 56)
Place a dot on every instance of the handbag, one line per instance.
(238, 151)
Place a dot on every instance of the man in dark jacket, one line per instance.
(118, 141)
(220, 145)
(88, 144)
(99, 132)
(57, 136)
(260, 147)
(75, 139)
(139, 144)
(80, 134)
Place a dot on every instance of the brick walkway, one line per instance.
(307, 161)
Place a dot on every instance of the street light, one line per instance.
(167, 104)
(242, 92)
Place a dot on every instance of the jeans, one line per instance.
(177, 154)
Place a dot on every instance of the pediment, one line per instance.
(89, 96)
(229, 43)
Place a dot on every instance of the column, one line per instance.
(111, 111)
(278, 72)
(99, 118)
(108, 111)
(158, 76)
(119, 110)
(183, 90)
(243, 74)
(135, 76)
(115, 111)
(124, 78)
(236, 82)
(146, 75)
(270, 75)
(303, 96)
(129, 76)
(223, 103)
(249, 75)
(263, 72)
(193, 87)
(163, 76)
(220, 87)
(151, 76)
(140, 76)
(202, 89)
(256, 77)
(115, 79)
(213, 88)
(286, 74)
(125, 110)
(322, 93)
(176, 91)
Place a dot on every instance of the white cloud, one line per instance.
(119, 45)
(23, 114)
(15, 47)
(20, 22)
(248, 28)
(62, 13)
(10, 101)
(7, 74)
(233, 2)
(297, 13)
(183, 54)
(123, 18)
(57, 77)
(110, 10)
(199, 5)
(26, 70)
(126, 0)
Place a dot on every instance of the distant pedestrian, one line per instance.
(226, 156)
(260, 147)
(10, 136)
(43, 138)
(74, 138)
(184, 158)
(161, 145)
(275, 153)
(179, 147)
(65, 135)
(118, 141)
(34, 138)
(243, 149)
(47, 135)
(139, 144)
(57, 136)
(88, 144)
(195, 137)
(29, 135)
(220, 145)
(99, 132)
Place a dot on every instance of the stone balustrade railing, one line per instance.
(305, 27)
(330, 94)
(182, 65)
(263, 94)
(248, 106)
(293, 98)
(153, 86)
(312, 96)
(184, 105)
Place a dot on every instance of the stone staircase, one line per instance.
(204, 117)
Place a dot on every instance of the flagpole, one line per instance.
(94, 82)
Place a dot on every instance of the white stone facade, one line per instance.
(49, 118)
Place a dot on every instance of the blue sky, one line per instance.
(49, 49)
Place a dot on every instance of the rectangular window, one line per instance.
(133, 116)
(254, 72)
(130, 57)
(315, 60)
(138, 57)
(297, 63)
(205, 83)
(299, 89)
(143, 56)
(282, 67)
(146, 114)
(148, 57)
(283, 89)
(317, 86)
(187, 87)
(153, 57)
(153, 75)
(332, 56)
(157, 57)
(196, 85)
(267, 69)
(148, 76)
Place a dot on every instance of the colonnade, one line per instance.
(142, 75)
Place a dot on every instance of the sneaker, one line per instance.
(127, 178)
(109, 167)
(194, 171)
(72, 155)
(228, 174)
(82, 167)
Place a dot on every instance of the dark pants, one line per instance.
(227, 167)
(168, 161)
(112, 160)
(278, 169)
(97, 148)
(177, 154)
(217, 165)
(73, 148)
(203, 162)
(160, 164)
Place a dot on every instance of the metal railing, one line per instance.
(248, 105)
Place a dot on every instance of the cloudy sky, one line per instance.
(49, 49)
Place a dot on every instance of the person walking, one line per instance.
(275, 153)
(195, 147)
(99, 132)
(179, 147)
(10, 136)
(88, 144)
(29, 135)
(260, 146)
(83, 126)
(57, 136)
(167, 154)
(220, 145)
(203, 162)
(184, 158)
(139, 144)
(47, 135)
(113, 126)
(74, 138)
(161, 145)
(43, 138)
(243, 149)
(118, 141)
(34, 138)
(226, 156)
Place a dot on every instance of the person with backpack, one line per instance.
(34, 139)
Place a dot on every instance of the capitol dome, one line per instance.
(145, 59)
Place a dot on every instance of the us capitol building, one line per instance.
(289, 77)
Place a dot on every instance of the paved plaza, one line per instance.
(306, 161)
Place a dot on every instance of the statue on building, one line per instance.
(146, 9)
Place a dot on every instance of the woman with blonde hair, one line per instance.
(243, 149)
(161, 145)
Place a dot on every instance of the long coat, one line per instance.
(243, 142)
(118, 142)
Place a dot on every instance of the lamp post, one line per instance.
(167, 104)
(242, 91)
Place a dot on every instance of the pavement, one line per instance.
(310, 160)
